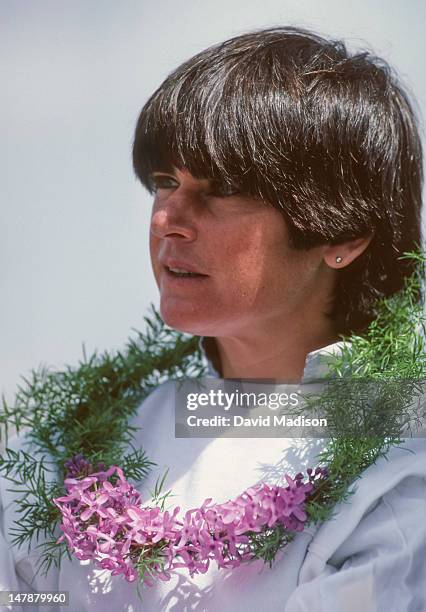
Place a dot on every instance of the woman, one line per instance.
(287, 180)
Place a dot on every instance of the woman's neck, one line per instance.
(278, 354)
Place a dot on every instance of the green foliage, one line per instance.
(377, 393)
(266, 544)
(394, 345)
(85, 409)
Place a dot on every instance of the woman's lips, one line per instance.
(180, 278)
(177, 265)
(178, 274)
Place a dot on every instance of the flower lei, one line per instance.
(79, 418)
(103, 520)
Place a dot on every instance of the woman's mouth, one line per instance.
(182, 273)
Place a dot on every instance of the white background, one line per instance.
(74, 74)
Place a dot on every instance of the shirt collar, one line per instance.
(316, 363)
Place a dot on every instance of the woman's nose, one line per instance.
(173, 219)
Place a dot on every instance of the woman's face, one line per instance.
(223, 261)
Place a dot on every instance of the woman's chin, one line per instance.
(184, 321)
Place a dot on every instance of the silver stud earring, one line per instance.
(339, 259)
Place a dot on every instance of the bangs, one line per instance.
(218, 118)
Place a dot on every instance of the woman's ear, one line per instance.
(341, 255)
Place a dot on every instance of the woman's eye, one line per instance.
(163, 182)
